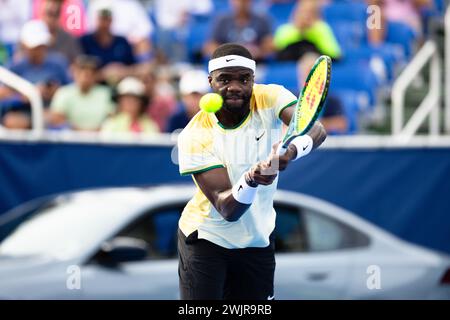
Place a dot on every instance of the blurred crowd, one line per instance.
(139, 66)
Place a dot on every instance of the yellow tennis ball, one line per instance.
(211, 102)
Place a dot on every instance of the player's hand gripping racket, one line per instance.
(310, 102)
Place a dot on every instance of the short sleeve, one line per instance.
(63, 76)
(196, 151)
(128, 55)
(273, 98)
(285, 99)
(60, 102)
(15, 68)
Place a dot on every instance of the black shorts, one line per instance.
(210, 272)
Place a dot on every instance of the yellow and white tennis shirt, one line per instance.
(206, 144)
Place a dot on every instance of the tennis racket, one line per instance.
(310, 102)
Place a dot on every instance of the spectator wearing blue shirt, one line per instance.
(47, 71)
(114, 52)
(193, 85)
(243, 26)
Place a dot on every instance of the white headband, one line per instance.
(231, 61)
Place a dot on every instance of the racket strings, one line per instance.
(311, 98)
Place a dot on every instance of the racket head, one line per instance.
(311, 100)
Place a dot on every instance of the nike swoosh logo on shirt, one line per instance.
(257, 138)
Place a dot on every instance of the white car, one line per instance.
(121, 244)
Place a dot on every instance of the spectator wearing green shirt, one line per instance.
(84, 104)
(306, 33)
(3, 54)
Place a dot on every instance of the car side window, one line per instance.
(290, 234)
(158, 228)
(326, 234)
(303, 230)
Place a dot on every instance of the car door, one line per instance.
(314, 254)
(155, 277)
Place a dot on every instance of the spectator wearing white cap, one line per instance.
(37, 65)
(46, 71)
(84, 104)
(193, 85)
(131, 115)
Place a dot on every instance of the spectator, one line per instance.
(132, 104)
(84, 104)
(307, 32)
(172, 17)
(162, 103)
(130, 21)
(37, 66)
(333, 116)
(115, 53)
(193, 84)
(244, 27)
(4, 56)
(407, 12)
(72, 19)
(62, 41)
(377, 36)
(13, 15)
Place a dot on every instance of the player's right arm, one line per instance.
(216, 186)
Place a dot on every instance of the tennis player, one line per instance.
(225, 236)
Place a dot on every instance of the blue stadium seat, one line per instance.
(356, 77)
(280, 13)
(282, 73)
(354, 102)
(198, 33)
(440, 6)
(349, 34)
(221, 6)
(355, 84)
(389, 53)
(345, 11)
(402, 35)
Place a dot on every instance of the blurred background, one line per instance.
(93, 94)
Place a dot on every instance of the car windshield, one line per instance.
(61, 230)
